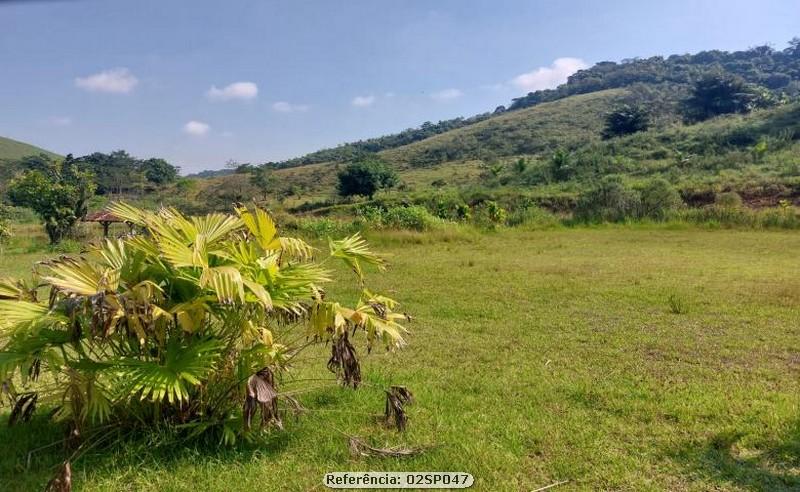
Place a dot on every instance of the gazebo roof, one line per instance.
(102, 216)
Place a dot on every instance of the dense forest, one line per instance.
(114, 173)
(777, 70)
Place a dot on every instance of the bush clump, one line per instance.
(490, 214)
(609, 201)
(413, 217)
(187, 326)
(659, 200)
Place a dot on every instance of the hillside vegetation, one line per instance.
(777, 71)
(752, 154)
(12, 149)
(700, 125)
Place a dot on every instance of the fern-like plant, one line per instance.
(184, 323)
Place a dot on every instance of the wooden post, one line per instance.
(105, 225)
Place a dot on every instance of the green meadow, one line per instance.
(614, 358)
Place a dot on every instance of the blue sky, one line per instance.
(200, 82)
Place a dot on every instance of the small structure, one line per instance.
(105, 219)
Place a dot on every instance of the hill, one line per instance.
(777, 71)
(700, 159)
(12, 149)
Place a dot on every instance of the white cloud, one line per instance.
(362, 101)
(227, 134)
(285, 107)
(237, 90)
(549, 77)
(447, 95)
(196, 128)
(115, 80)
(59, 121)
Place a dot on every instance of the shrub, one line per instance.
(490, 214)
(415, 217)
(66, 246)
(445, 205)
(659, 199)
(5, 227)
(531, 216)
(372, 215)
(183, 326)
(609, 201)
(561, 167)
(324, 227)
(625, 120)
(728, 199)
(463, 212)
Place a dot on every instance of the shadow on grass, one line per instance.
(31, 452)
(724, 460)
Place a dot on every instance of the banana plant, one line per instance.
(184, 322)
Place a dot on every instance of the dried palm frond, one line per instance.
(7, 393)
(23, 408)
(11, 288)
(296, 407)
(344, 362)
(396, 399)
(261, 395)
(62, 481)
(358, 447)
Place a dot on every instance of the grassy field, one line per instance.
(616, 358)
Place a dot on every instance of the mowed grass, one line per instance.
(535, 357)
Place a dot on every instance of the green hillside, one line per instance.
(12, 149)
(568, 122)
(699, 159)
(774, 72)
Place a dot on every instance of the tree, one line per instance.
(719, 93)
(58, 194)
(116, 172)
(365, 177)
(159, 171)
(261, 178)
(187, 327)
(625, 120)
(119, 172)
(794, 48)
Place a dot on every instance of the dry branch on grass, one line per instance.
(358, 447)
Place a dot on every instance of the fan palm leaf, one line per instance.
(353, 250)
(184, 367)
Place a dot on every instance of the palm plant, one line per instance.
(184, 323)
